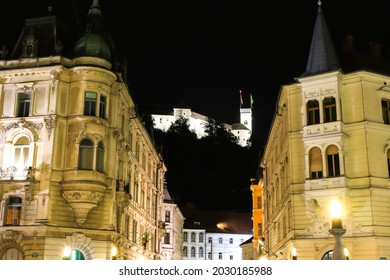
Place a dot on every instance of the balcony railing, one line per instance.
(16, 173)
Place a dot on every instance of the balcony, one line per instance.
(322, 129)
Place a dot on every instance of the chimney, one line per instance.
(375, 49)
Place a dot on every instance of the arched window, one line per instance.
(327, 256)
(193, 253)
(100, 157)
(201, 252)
(333, 161)
(13, 209)
(313, 112)
(185, 251)
(193, 237)
(22, 150)
(86, 154)
(329, 104)
(315, 163)
(185, 237)
(77, 255)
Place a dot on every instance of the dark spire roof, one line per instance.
(93, 43)
(322, 56)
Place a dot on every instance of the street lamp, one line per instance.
(337, 231)
(66, 253)
(113, 253)
(294, 253)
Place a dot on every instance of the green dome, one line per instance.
(92, 44)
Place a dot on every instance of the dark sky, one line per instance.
(204, 52)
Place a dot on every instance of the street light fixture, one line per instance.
(113, 253)
(337, 231)
(66, 253)
(294, 253)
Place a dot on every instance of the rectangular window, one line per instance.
(102, 106)
(13, 210)
(230, 240)
(167, 238)
(259, 229)
(210, 240)
(329, 109)
(386, 111)
(316, 174)
(134, 235)
(259, 202)
(333, 165)
(231, 257)
(220, 240)
(313, 112)
(168, 216)
(24, 100)
(220, 256)
(90, 103)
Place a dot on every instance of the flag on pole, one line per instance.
(242, 102)
(251, 101)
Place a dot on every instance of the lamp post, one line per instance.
(337, 231)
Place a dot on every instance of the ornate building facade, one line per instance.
(80, 177)
(329, 140)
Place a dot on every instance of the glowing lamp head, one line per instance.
(113, 251)
(66, 252)
(335, 209)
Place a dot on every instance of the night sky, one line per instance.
(204, 52)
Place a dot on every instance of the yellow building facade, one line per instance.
(80, 177)
(329, 139)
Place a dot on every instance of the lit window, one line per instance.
(24, 100)
(315, 163)
(13, 209)
(86, 154)
(22, 150)
(313, 112)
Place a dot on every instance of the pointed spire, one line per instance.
(322, 56)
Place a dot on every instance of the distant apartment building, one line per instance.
(173, 219)
(215, 235)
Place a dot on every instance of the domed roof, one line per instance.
(93, 43)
